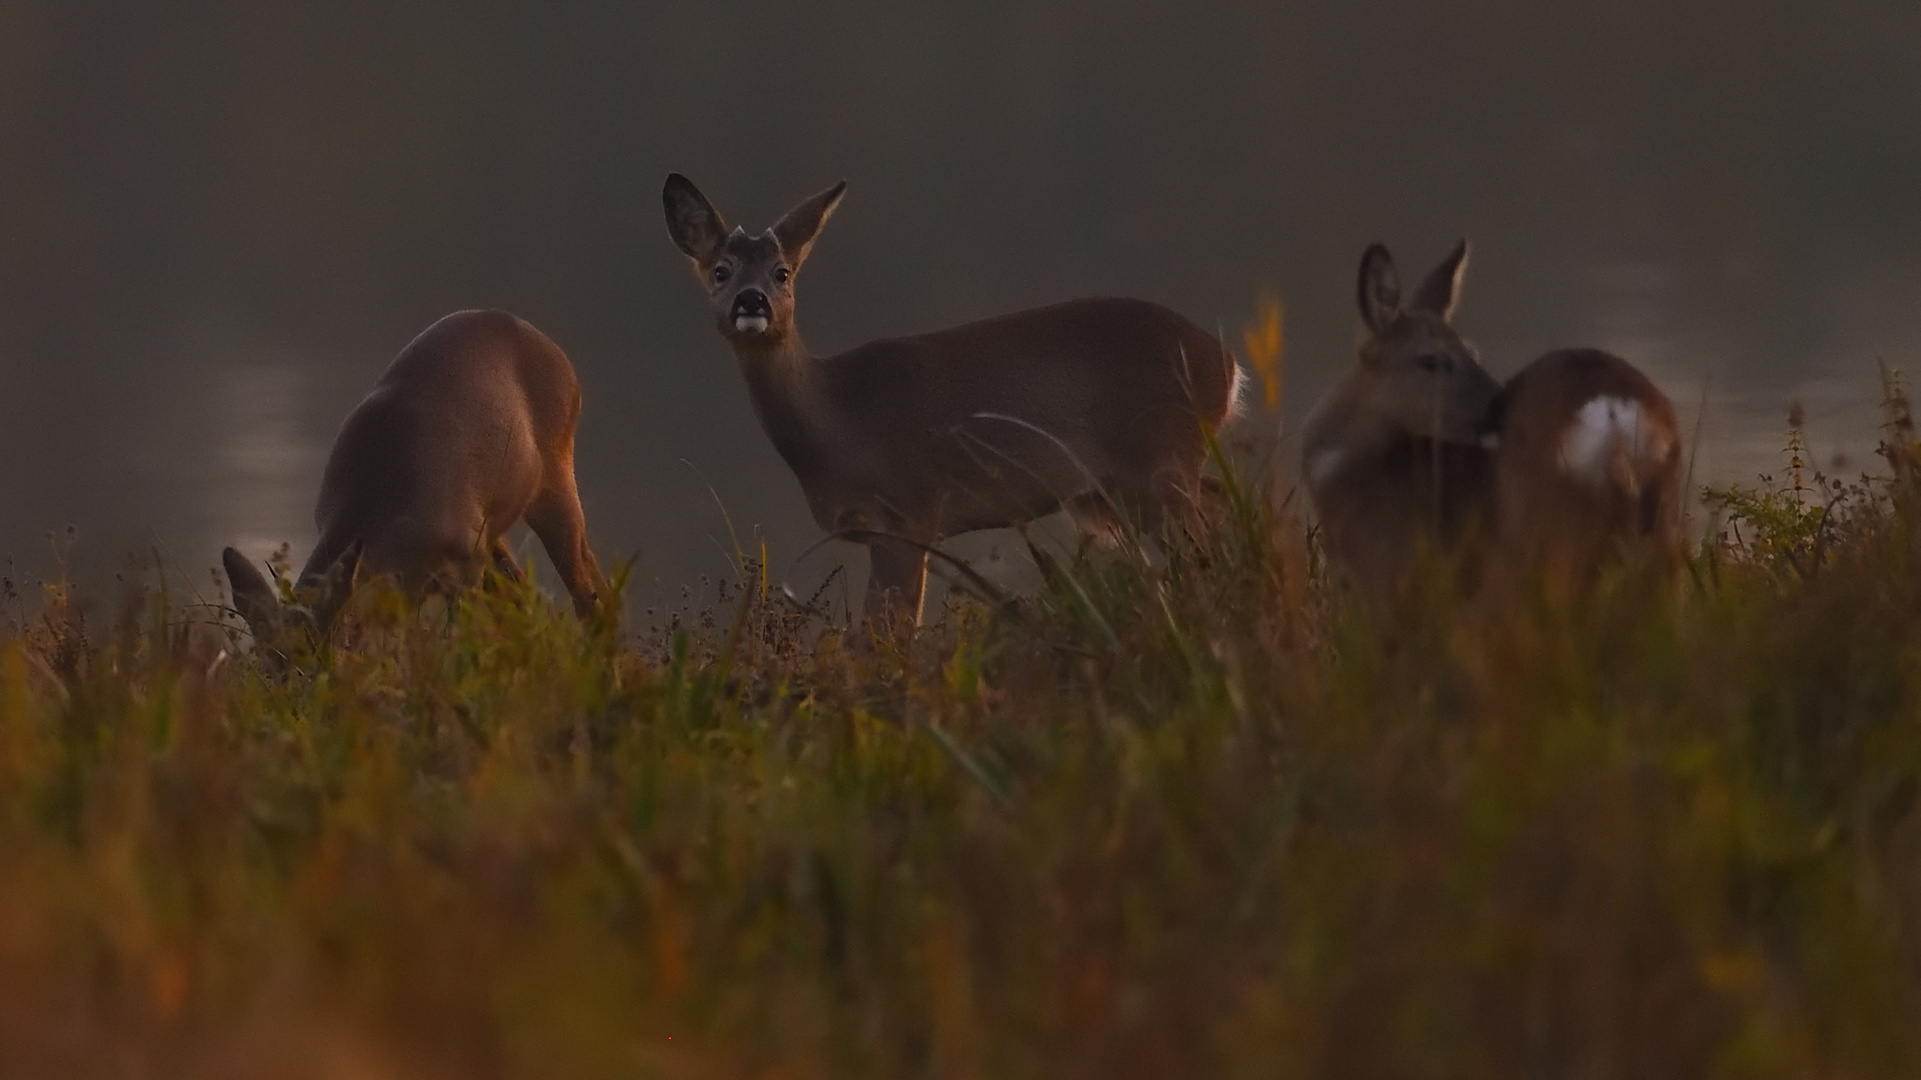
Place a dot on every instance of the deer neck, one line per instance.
(1343, 435)
(782, 381)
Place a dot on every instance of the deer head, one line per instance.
(1416, 371)
(749, 279)
(319, 598)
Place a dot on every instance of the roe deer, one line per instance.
(1393, 456)
(469, 430)
(1587, 459)
(1589, 464)
(906, 441)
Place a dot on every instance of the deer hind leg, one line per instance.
(1100, 523)
(896, 584)
(555, 516)
(504, 562)
(1173, 493)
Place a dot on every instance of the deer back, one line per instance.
(1001, 421)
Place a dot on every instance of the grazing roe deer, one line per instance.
(1587, 461)
(1393, 456)
(469, 431)
(906, 441)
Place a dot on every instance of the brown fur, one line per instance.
(1412, 497)
(469, 431)
(1563, 526)
(994, 423)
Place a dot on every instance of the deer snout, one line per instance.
(752, 312)
(1479, 401)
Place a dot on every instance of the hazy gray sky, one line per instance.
(219, 220)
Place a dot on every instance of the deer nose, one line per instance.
(752, 311)
(752, 302)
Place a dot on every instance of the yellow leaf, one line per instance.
(1263, 341)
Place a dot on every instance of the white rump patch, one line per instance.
(751, 324)
(1607, 431)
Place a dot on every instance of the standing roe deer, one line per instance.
(469, 430)
(1589, 466)
(906, 441)
(1393, 456)
(1587, 460)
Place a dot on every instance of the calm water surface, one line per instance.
(219, 221)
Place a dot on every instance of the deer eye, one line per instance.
(1429, 363)
(721, 273)
(781, 275)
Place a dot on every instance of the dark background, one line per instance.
(220, 219)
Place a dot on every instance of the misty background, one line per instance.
(219, 220)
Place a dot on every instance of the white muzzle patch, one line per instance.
(751, 324)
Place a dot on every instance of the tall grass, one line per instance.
(1188, 816)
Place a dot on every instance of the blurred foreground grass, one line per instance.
(1199, 818)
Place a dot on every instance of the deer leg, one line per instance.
(1182, 497)
(557, 519)
(1097, 521)
(896, 583)
(504, 561)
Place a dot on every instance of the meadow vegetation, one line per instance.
(1193, 814)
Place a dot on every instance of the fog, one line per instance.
(220, 220)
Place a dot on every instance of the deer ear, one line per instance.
(1380, 289)
(696, 228)
(253, 595)
(795, 233)
(334, 587)
(1441, 290)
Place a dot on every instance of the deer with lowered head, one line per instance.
(1575, 460)
(468, 432)
(1098, 406)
